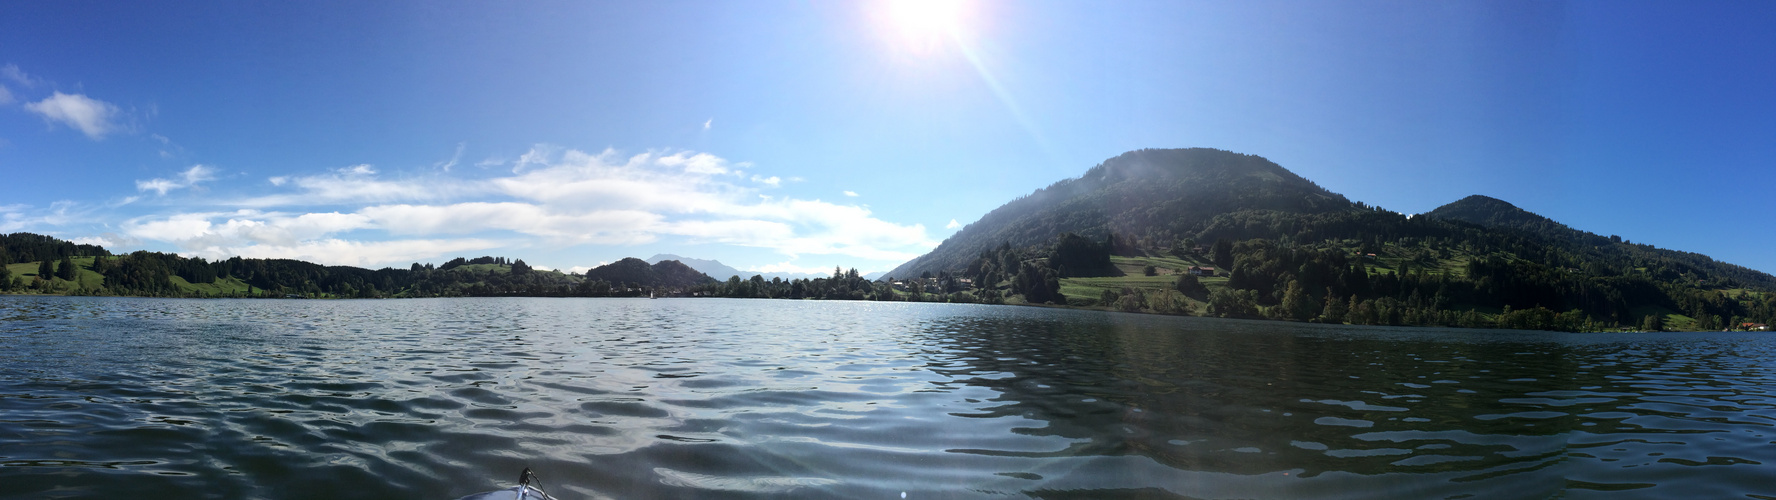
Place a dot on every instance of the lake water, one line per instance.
(725, 398)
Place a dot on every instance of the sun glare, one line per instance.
(923, 26)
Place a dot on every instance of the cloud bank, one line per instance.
(359, 216)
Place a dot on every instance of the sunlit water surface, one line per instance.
(719, 398)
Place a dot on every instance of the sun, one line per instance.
(923, 26)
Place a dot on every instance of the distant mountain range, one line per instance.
(721, 272)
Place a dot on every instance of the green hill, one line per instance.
(666, 273)
(1158, 195)
(1283, 248)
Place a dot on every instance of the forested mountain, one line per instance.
(667, 273)
(1225, 234)
(1493, 212)
(1664, 264)
(1159, 195)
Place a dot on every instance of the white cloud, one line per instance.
(772, 181)
(953, 224)
(369, 254)
(190, 178)
(852, 194)
(608, 227)
(707, 123)
(551, 199)
(357, 184)
(91, 116)
(255, 234)
(538, 155)
(700, 163)
(111, 241)
(5, 95)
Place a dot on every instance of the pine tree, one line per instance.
(67, 270)
(1334, 310)
(1296, 304)
(45, 269)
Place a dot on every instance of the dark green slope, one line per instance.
(1493, 212)
(1607, 252)
(1158, 194)
(630, 270)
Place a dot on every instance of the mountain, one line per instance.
(1493, 212)
(719, 271)
(1159, 194)
(666, 273)
(1284, 248)
(713, 268)
(1502, 216)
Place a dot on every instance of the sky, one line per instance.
(802, 135)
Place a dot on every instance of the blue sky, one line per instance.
(800, 135)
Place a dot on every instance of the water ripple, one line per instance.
(615, 398)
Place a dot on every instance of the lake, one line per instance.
(730, 398)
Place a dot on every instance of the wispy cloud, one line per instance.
(953, 224)
(90, 116)
(852, 194)
(355, 185)
(446, 165)
(19, 217)
(12, 72)
(191, 177)
(5, 95)
(707, 123)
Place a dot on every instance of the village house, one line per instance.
(1201, 271)
(1755, 327)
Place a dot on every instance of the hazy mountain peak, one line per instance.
(713, 268)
